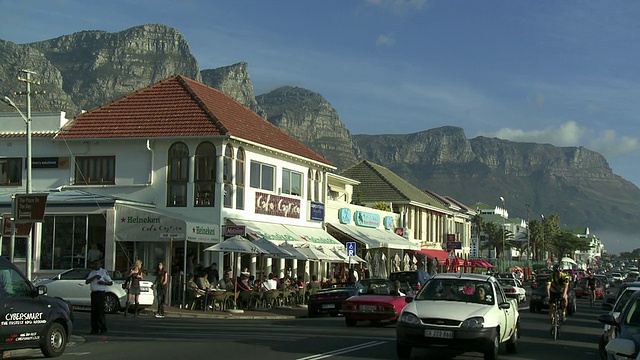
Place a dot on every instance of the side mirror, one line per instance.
(608, 319)
(504, 305)
(622, 347)
(408, 299)
(42, 290)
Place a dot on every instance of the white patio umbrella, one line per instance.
(569, 260)
(237, 245)
(295, 252)
(273, 250)
(313, 253)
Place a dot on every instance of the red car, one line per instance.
(378, 301)
(581, 288)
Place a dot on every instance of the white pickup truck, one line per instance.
(465, 312)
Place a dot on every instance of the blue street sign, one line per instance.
(351, 248)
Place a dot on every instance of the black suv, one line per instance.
(28, 317)
(415, 278)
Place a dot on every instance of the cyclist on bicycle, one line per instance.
(591, 285)
(557, 288)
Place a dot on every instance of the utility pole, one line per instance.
(504, 214)
(542, 225)
(27, 119)
(528, 234)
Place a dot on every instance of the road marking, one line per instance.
(343, 351)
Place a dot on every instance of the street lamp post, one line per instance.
(542, 225)
(27, 121)
(504, 254)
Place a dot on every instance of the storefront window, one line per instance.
(71, 240)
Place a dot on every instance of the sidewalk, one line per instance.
(283, 312)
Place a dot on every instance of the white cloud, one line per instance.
(388, 39)
(608, 142)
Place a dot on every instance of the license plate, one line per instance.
(368, 307)
(144, 288)
(329, 306)
(442, 334)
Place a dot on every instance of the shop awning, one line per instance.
(374, 238)
(314, 236)
(138, 223)
(294, 251)
(294, 235)
(276, 233)
(440, 255)
(314, 254)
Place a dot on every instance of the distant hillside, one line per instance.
(89, 68)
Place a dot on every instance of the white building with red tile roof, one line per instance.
(180, 161)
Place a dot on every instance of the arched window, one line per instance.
(205, 175)
(227, 178)
(240, 179)
(310, 185)
(178, 175)
(316, 186)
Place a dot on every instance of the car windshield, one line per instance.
(463, 290)
(344, 285)
(622, 301)
(507, 282)
(632, 318)
(378, 287)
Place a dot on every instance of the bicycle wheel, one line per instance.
(557, 321)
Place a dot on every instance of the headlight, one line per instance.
(409, 318)
(473, 323)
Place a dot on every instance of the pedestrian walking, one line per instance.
(133, 284)
(99, 280)
(161, 288)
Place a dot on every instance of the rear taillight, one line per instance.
(418, 287)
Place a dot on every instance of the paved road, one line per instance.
(307, 339)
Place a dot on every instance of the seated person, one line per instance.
(226, 283)
(395, 291)
(270, 283)
(244, 291)
(314, 283)
(203, 282)
(481, 295)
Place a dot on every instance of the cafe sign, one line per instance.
(269, 204)
(367, 219)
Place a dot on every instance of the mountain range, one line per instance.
(84, 70)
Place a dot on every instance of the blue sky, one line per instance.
(558, 72)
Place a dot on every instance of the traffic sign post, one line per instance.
(351, 249)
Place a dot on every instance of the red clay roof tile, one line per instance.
(180, 107)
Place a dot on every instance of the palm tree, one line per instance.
(493, 238)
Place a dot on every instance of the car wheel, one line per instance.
(491, 352)
(403, 351)
(111, 304)
(350, 322)
(602, 351)
(512, 343)
(55, 341)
